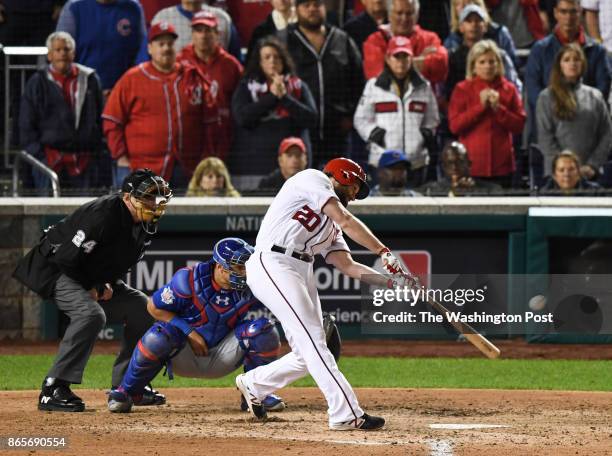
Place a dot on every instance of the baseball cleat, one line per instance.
(254, 405)
(59, 398)
(272, 403)
(364, 423)
(149, 396)
(119, 401)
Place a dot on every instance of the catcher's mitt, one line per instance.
(332, 335)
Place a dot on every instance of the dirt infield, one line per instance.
(208, 421)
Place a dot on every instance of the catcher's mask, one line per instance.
(231, 254)
(149, 195)
(347, 172)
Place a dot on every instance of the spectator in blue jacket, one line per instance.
(473, 26)
(494, 31)
(568, 14)
(60, 120)
(111, 35)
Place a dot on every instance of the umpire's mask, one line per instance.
(149, 194)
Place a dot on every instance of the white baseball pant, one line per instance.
(286, 286)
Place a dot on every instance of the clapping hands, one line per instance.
(277, 86)
(490, 98)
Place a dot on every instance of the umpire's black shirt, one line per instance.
(96, 244)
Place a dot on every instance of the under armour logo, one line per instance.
(167, 296)
(222, 301)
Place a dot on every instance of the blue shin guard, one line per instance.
(154, 351)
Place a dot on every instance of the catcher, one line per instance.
(202, 328)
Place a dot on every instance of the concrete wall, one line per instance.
(21, 222)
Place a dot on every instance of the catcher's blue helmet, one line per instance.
(230, 252)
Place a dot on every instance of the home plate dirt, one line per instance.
(208, 421)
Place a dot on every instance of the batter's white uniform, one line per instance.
(285, 285)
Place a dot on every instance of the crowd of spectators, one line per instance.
(232, 97)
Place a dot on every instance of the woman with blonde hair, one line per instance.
(571, 115)
(485, 111)
(496, 32)
(211, 178)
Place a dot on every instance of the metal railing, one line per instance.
(52, 175)
(17, 51)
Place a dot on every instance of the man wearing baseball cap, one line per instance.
(292, 158)
(392, 175)
(398, 111)
(430, 57)
(473, 24)
(159, 113)
(221, 69)
(180, 14)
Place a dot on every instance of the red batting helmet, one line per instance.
(347, 172)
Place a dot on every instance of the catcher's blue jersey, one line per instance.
(195, 297)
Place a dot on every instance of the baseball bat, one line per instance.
(479, 341)
(474, 337)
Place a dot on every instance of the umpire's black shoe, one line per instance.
(364, 423)
(59, 398)
(149, 396)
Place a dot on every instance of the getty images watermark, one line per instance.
(492, 304)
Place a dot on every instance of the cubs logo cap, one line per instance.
(392, 157)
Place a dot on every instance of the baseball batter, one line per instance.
(306, 218)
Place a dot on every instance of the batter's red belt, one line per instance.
(300, 256)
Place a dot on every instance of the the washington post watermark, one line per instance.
(495, 304)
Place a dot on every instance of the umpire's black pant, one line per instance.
(87, 317)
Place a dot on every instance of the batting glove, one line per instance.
(390, 263)
(403, 280)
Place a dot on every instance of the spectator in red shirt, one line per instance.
(221, 68)
(485, 111)
(161, 114)
(430, 57)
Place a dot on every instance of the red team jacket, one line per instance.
(156, 118)
(223, 71)
(487, 134)
(435, 66)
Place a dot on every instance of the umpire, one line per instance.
(79, 262)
